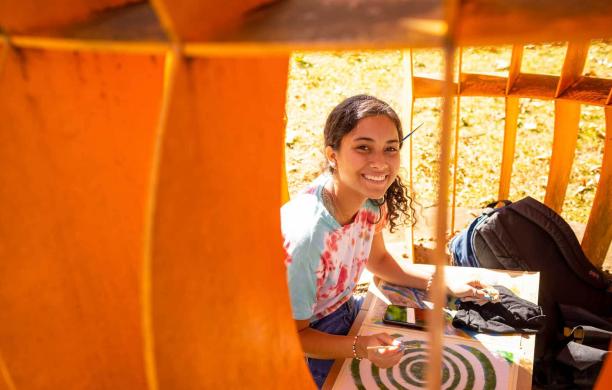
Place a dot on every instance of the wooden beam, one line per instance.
(491, 22)
(408, 66)
(436, 319)
(588, 90)
(223, 140)
(567, 118)
(456, 142)
(573, 65)
(598, 233)
(510, 126)
(515, 67)
(482, 85)
(536, 86)
(425, 87)
(512, 108)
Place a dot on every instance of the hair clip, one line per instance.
(409, 134)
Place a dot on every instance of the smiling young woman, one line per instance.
(333, 229)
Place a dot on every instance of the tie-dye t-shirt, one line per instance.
(324, 260)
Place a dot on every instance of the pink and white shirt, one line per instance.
(324, 260)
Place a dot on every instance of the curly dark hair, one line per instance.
(341, 121)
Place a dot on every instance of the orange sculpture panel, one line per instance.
(76, 140)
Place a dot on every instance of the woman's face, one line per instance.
(368, 159)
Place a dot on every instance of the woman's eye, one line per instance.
(391, 149)
(364, 148)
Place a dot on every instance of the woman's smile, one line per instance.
(378, 180)
(368, 159)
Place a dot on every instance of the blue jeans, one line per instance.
(338, 323)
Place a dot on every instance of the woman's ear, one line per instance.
(330, 155)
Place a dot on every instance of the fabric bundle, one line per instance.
(510, 315)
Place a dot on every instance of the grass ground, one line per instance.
(318, 81)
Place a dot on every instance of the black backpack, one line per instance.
(527, 235)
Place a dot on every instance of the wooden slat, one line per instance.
(409, 67)
(609, 100)
(589, 90)
(598, 233)
(76, 139)
(515, 66)
(218, 278)
(567, 118)
(487, 22)
(512, 108)
(573, 65)
(21, 16)
(510, 126)
(436, 317)
(456, 142)
(482, 85)
(536, 86)
(425, 87)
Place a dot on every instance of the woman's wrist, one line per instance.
(360, 347)
(429, 285)
(355, 354)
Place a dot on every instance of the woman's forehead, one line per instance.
(377, 128)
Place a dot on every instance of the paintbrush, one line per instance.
(401, 347)
(409, 134)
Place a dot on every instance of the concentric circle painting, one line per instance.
(467, 364)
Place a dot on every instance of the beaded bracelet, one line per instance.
(355, 349)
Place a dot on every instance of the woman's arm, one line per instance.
(382, 264)
(321, 345)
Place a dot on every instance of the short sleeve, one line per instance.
(301, 278)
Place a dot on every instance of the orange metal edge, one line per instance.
(170, 68)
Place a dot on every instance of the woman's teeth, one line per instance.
(375, 178)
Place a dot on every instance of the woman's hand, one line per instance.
(382, 358)
(472, 290)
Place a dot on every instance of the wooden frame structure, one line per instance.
(134, 137)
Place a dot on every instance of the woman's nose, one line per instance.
(378, 161)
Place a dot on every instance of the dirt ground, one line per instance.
(318, 81)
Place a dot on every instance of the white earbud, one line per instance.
(332, 163)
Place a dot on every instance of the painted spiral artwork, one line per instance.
(465, 366)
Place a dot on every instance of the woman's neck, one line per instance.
(346, 201)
